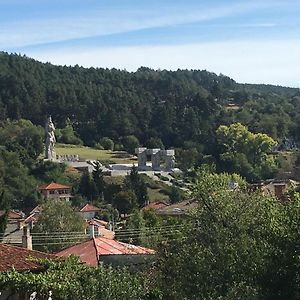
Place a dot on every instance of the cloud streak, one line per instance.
(104, 22)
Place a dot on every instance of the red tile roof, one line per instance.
(156, 205)
(89, 208)
(90, 250)
(86, 252)
(113, 247)
(20, 258)
(53, 186)
(12, 214)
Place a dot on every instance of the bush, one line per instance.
(118, 147)
(130, 142)
(107, 143)
(98, 146)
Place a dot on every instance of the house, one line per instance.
(89, 211)
(178, 209)
(55, 190)
(13, 214)
(100, 228)
(21, 260)
(99, 250)
(155, 205)
(275, 187)
(12, 233)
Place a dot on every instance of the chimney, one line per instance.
(92, 231)
(26, 238)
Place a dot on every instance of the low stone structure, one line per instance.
(157, 156)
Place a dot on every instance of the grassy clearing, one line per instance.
(155, 188)
(157, 195)
(87, 153)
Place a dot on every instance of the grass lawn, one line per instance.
(156, 195)
(93, 154)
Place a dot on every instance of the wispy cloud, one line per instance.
(105, 22)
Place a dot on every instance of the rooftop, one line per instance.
(156, 205)
(20, 258)
(13, 215)
(90, 250)
(89, 208)
(53, 186)
(177, 209)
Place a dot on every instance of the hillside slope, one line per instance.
(158, 107)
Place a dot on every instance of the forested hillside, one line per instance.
(180, 109)
(175, 107)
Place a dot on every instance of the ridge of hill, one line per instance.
(158, 107)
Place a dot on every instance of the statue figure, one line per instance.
(50, 140)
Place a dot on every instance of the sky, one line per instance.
(251, 41)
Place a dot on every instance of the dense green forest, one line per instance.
(180, 109)
(175, 107)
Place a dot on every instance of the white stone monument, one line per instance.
(50, 153)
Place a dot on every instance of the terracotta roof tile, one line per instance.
(53, 186)
(13, 215)
(89, 250)
(89, 207)
(155, 205)
(86, 252)
(113, 247)
(20, 258)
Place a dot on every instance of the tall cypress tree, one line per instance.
(3, 217)
(135, 182)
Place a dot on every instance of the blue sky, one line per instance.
(251, 41)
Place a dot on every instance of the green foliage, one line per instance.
(155, 142)
(238, 246)
(98, 179)
(179, 109)
(187, 158)
(108, 213)
(57, 217)
(125, 201)
(22, 137)
(68, 136)
(107, 143)
(47, 171)
(4, 206)
(87, 187)
(19, 187)
(146, 228)
(136, 183)
(130, 143)
(70, 279)
(175, 194)
(244, 152)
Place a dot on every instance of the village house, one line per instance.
(12, 233)
(100, 228)
(155, 205)
(55, 190)
(178, 209)
(99, 250)
(278, 188)
(21, 260)
(89, 211)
